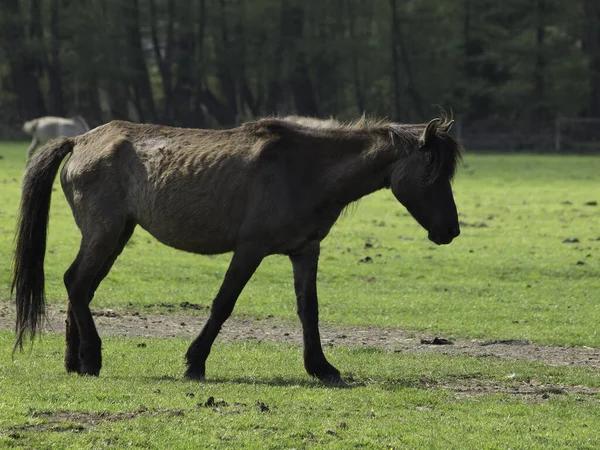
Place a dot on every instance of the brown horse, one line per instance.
(268, 187)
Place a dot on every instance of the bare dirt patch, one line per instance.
(531, 391)
(74, 421)
(188, 325)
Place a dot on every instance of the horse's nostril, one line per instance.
(455, 231)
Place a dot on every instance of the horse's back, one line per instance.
(186, 187)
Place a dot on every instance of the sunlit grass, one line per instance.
(262, 399)
(509, 274)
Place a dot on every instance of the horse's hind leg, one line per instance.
(72, 359)
(79, 279)
(71, 332)
(305, 265)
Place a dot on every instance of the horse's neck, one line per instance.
(360, 173)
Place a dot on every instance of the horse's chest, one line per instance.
(304, 230)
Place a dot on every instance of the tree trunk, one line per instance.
(540, 62)
(140, 81)
(93, 112)
(184, 74)
(200, 64)
(164, 62)
(592, 38)
(113, 81)
(301, 84)
(246, 101)
(399, 42)
(22, 63)
(475, 103)
(225, 74)
(274, 85)
(396, 88)
(358, 91)
(53, 67)
(36, 38)
(470, 47)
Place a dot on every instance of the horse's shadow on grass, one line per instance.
(350, 382)
(279, 382)
(275, 381)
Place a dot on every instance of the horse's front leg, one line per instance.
(305, 265)
(241, 268)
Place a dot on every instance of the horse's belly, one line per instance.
(195, 245)
(199, 227)
(191, 237)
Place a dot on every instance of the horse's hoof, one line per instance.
(90, 370)
(196, 376)
(333, 380)
(325, 372)
(72, 366)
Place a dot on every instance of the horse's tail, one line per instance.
(30, 242)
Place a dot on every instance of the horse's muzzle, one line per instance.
(442, 238)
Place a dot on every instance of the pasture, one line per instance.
(518, 285)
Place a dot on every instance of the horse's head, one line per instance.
(422, 180)
(29, 126)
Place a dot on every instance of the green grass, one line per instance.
(140, 400)
(508, 276)
(512, 278)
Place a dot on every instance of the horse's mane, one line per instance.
(443, 151)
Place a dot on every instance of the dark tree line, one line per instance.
(219, 62)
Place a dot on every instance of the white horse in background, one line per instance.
(46, 128)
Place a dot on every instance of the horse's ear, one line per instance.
(429, 133)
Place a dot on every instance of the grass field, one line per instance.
(510, 275)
